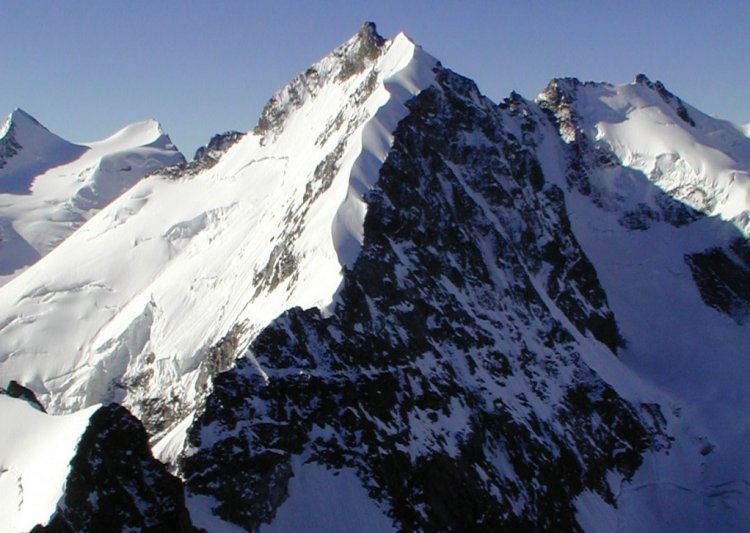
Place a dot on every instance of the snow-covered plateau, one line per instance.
(392, 305)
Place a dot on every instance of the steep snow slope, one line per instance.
(675, 274)
(49, 187)
(27, 149)
(35, 452)
(167, 282)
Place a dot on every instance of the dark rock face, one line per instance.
(723, 278)
(115, 484)
(217, 146)
(16, 390)
(205, 157)
(449, 375)
(366, 48)
(9, 146)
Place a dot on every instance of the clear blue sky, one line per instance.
(86, 68)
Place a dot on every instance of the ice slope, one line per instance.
(696, 355)
(35, 451)
(49, 186)
(180, 262)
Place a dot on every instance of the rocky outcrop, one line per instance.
(115, 484)
(16, 390)
(349, 59)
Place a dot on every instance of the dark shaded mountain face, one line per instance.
(449, 375)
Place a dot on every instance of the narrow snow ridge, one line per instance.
(413, 72)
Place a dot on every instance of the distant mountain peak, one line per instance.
(22, 133)
(148, 132)
(19, 122)
(57, 185)
(16, 117)
(149, 125)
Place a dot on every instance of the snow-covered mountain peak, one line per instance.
(396, 297)
(693, 157)
(19, 118)
(27, 148)
(255, 225)
(29, 132)
(350, 58)
(49, 186)
(147, 132)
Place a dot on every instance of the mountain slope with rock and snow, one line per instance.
(262, 228)
(440, 312)
(658, 200)
(49, 187)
